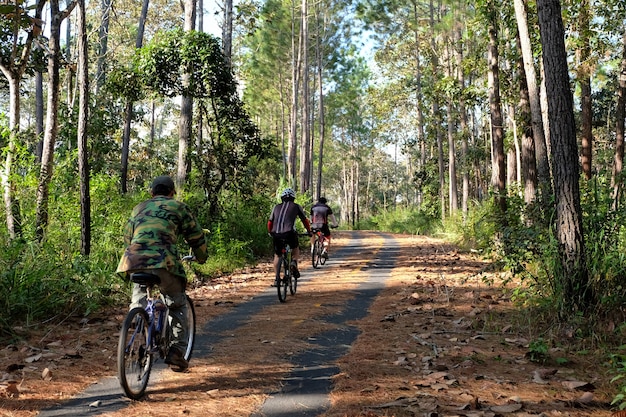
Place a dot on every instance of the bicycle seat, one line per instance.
(145, 278)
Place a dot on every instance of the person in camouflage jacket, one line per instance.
(150, 236)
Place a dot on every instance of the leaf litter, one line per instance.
(438, 341)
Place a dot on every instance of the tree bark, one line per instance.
(83, 116)
(320, 86)
(186, 108)
(584, 78)
(103, 36)
(13, 70)
(538, 131)
(293, 116)
(495, 107)
(128, 110)
(577, 293)
(52, 119)
(305, 143)
(620, 114)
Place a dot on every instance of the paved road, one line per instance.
(304, 393)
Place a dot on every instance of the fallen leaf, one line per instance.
(507, 408)
(578, 385)
(46, 374)
(12, 390)
(586, 398)
(95, 404)
(33, 358)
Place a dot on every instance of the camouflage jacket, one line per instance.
(152, 232)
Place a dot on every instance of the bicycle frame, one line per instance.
(157, 327)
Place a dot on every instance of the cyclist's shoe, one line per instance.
(176, 359)
(294, 270)
(325, 254)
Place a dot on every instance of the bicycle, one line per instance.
(146, 335)
(287, 280)
(317, 249)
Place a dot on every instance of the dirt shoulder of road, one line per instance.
(443, 337)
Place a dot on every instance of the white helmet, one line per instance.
(288, 193)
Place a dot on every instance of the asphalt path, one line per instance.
(305, 391)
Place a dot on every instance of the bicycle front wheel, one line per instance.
(282, 280)
(134, 360)
(316, 253)
(191, 330)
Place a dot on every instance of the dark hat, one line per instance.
(162, 183)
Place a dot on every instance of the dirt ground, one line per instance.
(442, 339)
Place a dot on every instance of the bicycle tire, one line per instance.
(293, 284)
(134, 359)
(315, 254)
(322, 258)
(191, 330)
(282, 280)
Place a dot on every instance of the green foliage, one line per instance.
(538, 351)
(402, 220)
(618, 365)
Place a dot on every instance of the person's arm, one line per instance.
(270, 224)
(335, 224)
(194, 236)
(304, 220)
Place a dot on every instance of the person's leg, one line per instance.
(138, 299)
(173, 289)
(276, 264)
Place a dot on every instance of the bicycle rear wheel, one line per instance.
(316, 253)
(191, 330)
(322, 258)
(293, 284)
(134, 360)
(282, 280)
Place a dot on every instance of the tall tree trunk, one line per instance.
(620, 114)
(320, 86)
(465, 166)
(421, 143)
(498, 178)
(39, 111)
(538, 131)
(584, 78)
(11, 204)
(528, 161)
(452, 183)
(227, 32)
(577, 294)
(436, 115)
(186, 108)
(128, 110)
(103, 36)
(52, 120)
(295, 85)
(13, 69)
(305, 143)
(83, 116)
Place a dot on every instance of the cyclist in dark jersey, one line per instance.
(282, 227)
(320, 212)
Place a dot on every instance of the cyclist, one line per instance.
(282, 227)
(320, 212)
(150, 237)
